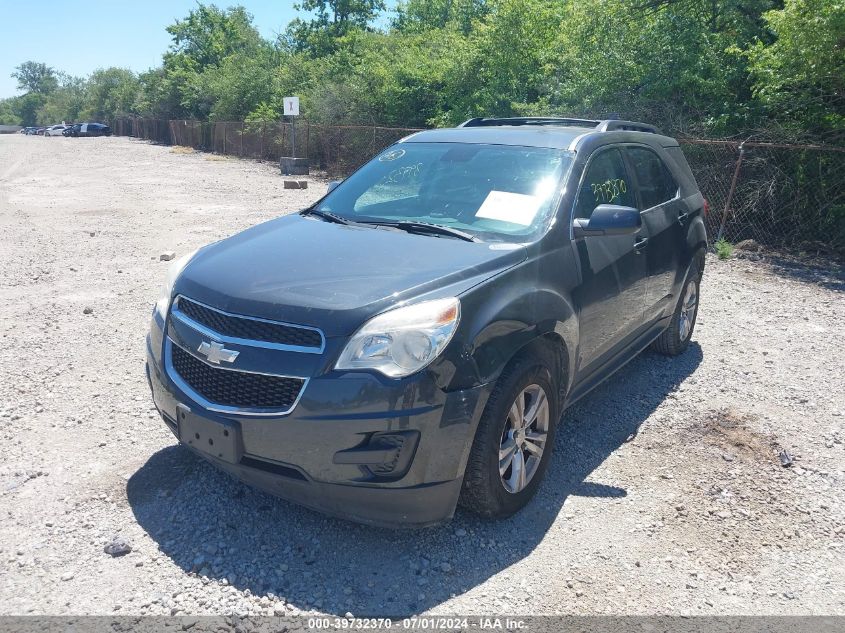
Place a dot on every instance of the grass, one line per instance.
(724, 249)
(179, 149)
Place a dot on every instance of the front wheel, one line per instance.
(513, 443)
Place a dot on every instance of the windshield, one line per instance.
(494, 192)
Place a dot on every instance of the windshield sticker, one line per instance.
(516, 208)
(609, 190)
(391, 155)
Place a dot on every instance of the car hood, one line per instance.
(307, 271)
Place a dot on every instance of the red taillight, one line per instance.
(706, 208)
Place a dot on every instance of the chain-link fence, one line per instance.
(336, 150)
(778, 195)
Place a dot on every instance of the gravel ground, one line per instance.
(665, 495)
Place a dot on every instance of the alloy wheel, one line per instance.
(524, 438)
(689, 307)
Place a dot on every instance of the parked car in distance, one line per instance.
(409, 342)
(89, 129)
(29, 130)
(55, 130)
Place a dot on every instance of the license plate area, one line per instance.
(217, 439)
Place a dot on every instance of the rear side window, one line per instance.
(605, 182)
(654, 179)
(677, 155)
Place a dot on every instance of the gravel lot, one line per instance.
(665, 495)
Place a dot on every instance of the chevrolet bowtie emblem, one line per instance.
(216, 353)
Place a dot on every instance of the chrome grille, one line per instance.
(249, 328)
(235, 389)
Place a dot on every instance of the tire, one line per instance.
(676, 338)
(486, 489)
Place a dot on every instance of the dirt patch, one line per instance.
(734, 435)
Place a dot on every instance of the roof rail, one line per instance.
(607, 125)
(483, 122)
(613, 125)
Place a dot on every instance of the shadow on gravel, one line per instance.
(826, 272)
(210, 524)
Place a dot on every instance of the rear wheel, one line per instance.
(676, 338)
(514, 440)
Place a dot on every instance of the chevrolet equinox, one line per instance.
(409, 342)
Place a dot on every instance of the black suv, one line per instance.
(409, 342)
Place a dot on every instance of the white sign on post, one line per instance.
(291, 106)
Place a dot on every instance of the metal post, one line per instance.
(241, 152)
(731, 192)
(224, 137)
(293, 136)
(261, 145)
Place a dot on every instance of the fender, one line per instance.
(513, 309)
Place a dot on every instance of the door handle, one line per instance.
(640, 243)
(683, 217)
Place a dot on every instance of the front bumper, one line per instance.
(319, 455)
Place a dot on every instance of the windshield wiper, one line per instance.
(424, 228)
(436, 229)
(326, 215)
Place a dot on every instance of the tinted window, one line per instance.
(606, 182)
(653, 177)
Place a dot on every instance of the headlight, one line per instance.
(163, 303)
(403, 341)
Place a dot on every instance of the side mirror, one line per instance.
(333, 185)
(609, 219)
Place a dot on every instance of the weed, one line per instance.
(724, 249)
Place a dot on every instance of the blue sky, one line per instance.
(78, 36)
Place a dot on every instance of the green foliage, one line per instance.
(674, 63)
(209, 35)
(415, 16)
(111, 92)
(724, 249)
(8, 112)
(214, 57)
(334, 19)
(263, 112)
(35, 77)
(66, 103)
(689, 66)
(800, 75)
(28, 106)
(504, 65)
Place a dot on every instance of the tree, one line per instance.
(504, 64)
(35, 77)
(66, 103)
(27, 107)
(200, 63)
(676, 63)
(8, 112)
(800, 76)
(424, 15)
(208, 35)
(111, 92)
(334, 19)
